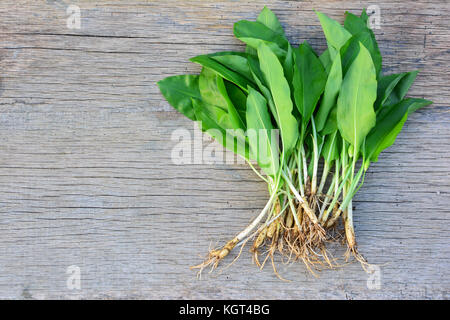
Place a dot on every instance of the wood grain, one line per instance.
(86, 176)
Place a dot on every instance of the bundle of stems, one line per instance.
(312, 123)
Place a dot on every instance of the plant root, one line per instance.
(215, 256)
(295, 235)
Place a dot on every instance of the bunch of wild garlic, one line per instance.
(289, 109)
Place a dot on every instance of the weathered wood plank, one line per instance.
(86, 176)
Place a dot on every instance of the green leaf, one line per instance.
(217, 123)
(326, 60)
(258, 77)
(235, 62)
(408, 105)
(354, 24)
(250, 51)
(309, 81)
(330, 150)
(270, 20)
(238, 98)
(210, 93)
(223, 71)
(367, 38)
(255, 33)
(386, 85)
(330, 94)
(389, 124)
(279, 88)
(355, 113)
(364, 17)
(259, 131)
(178, 91)
(331, 123)
(401, 88)
(348, 53)
(288, 65)
(358, 28)
(261, 83)
(238, 122)
(214, 92)
(351, 49)
(213, 117)
(335, 33)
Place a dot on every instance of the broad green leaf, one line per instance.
(223, 71)
(254, 33)
(213, 116)
(326, 60)
(214, 92)
(237, 63)
(355, 113)
(351, 49)
(408, 105)
(237, 97)
(354, 24)
(279, 88)
(385, 86)
(367, 38)
(245, 29)
(238, 122)
(349, 52)
(270, 20)
(401, 88)
(330, 94)
(330, 150)
(261, 83)
(309, 81)
(389, 124)
(332, 51)
(250, 51)
(358, 28)
(288, 65)
(216, 122)
(178, 90)
(259, 132)
(331, 123)
(209, 90)
(258, 77)
(335, 33)
(255, 43)
(364, 17)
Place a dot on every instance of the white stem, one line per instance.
(243, 241)
(350, 214)
(328, 198)
(299, 173)
(305, 167)
(291, 205)
(326, 170)
(258, 219)
(291, 186)
(315, 167)
(256, 171)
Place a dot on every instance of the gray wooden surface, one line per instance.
(86, 177)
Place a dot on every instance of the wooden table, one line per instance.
(86, 178)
